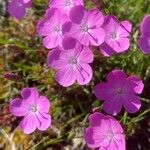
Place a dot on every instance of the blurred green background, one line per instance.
(22, 53)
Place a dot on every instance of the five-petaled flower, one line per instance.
(144, 40)
(71, 64)
(17, 8)
(118, 91)
(104, 133)
(65, 5)
(85, 26)
(117, 36)
(51, 28)
(33, 108)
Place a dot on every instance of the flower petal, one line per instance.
(17, 107)
(94, 137)
(30, 95)
(103, 91)
(144, 43)
(131, 103)
(57, 59)
(106, 50)
(66, 76)
(83, 73)
(29, 123)
(86, 55)
(43, 104)
(139, 84)
(116, 76)
(44, 121)
(76, 14)
(96, 36)
(145, 24)
(17, 9)
(95, 118)
(112, 106)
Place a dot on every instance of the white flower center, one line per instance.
(84, 28)
(113, 35)
(119, 91)
(57, 29)
(33, 109)
(109, 135)
(67, 3)
(73, 61)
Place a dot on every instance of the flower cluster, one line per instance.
(17, 8)
(118, 91)
(144, 40)
(69, 26)
(33, 108)
(70, 30)
(104, 133)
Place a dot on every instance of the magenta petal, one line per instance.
(97, 36)
(131, 103)
(76, 14)
(65, 76)
(122, 45)
(44, 121)
(17, 107)
(144, 43)
(106, 50)
(121, 144)
(124, 29)
(95, 17)
(17, 9)
(112, 106)
(30, 95)
(43, 104)
(94, 137)
(138, 82)
(57, 59)
(52, 41)
(115, 125)
(29, 124)
(95, 118)
(86, 55)
(145, 24)
(116, 75)
(103, 91)
(69, 43)
(83, 73)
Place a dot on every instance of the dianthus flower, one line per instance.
(65, 5)
(51, 28)
(117, 36)
(144, 40)
(85, 26)
(71, 64)
(17, 8)
(104, 133)
(33, 108)
(118, 91)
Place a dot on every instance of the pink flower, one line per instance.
(144, 40)
(118, 91)
(116, 39)
(17, 8)
(51, 28)
(34, 110)
(65, 5)
(72, 64)
(86, 26)
(104, 133)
